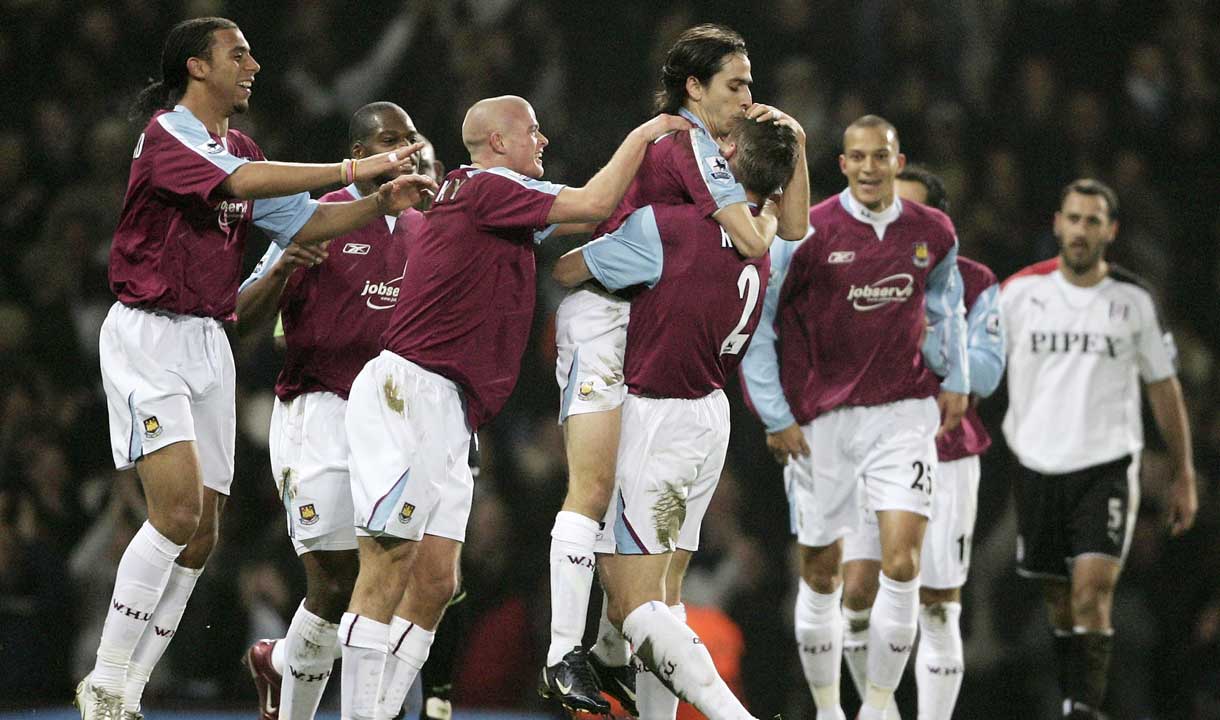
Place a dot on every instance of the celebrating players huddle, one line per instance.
(862, 339)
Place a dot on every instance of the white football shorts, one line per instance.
(309, 456)
(945, 558)
(670, 457)
(406, 427)
(169, 378)
(590, 339)
(863, 459)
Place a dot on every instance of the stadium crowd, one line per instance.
(1007, 101)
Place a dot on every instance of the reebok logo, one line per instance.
(356, 249)
(892, 289)
(381, 295)
(841, 257)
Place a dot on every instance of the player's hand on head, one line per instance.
(403, 192)
(404, 159)
(789, 442)
(952, 406)
(662, 125)
(1183, 501)
(759, 112)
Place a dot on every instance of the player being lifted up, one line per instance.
(332, 316)
(688, 331)
(848, 305)
(449, 361)
(706, 79)
(167, 369)
(945, 558)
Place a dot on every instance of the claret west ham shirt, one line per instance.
(179, 242)
(1075, 359)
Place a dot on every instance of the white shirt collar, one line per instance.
(879, 220)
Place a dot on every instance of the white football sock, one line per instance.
(855, 646)
(160, 631)
(141, 578)
(407, 652)
(572, 563)
(940, 665)
(654, 700)
(611, 647)
(819, 641)
(309, 658)
(669, 649)
(890, 637)
(279, 650)
(364, 653)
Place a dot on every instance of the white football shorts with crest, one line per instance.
(309, 456)
(406, 427)
(590, 339)
(169, 378)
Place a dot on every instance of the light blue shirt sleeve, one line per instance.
(184, 126)
(265, 263)
(631, 255)
(944, 304)
(717, 175)
(985, 343)
(283, 217)
(760, 366)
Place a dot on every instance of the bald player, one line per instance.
(332, 313)
(449, 361)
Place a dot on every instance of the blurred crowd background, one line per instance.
(1006, 100)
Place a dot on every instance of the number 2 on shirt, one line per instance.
(747, 287)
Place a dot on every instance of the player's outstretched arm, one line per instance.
(267, 179)
(794, 203)
(571, 269)
(1169, 410)
(334, 219)
(598, 198)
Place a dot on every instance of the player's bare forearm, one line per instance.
(597, 199)
(259, 302)
(267, 179)
(1169, 410)
(750, 234)
(331, 220)
(571, 269)
(794, 203)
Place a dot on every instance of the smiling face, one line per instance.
(722, 102)
(870, 160)
(229, 70)
(393, 129)
(1084, 229)
(521, 140)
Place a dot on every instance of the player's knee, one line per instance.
(936, 596)
(200, 547)
(589, 493)
(856, 597)
(901, 565)
(435, 585)
(178, 523)
(821, 568)
(1091, 605)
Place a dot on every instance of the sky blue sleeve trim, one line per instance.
(187, 129)
(283, 217)
(715, 170)
(541, 235)
(944, 302)
(264, 265)
(549, 188)
(985, 343)
(760, 366)
(631, 255)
